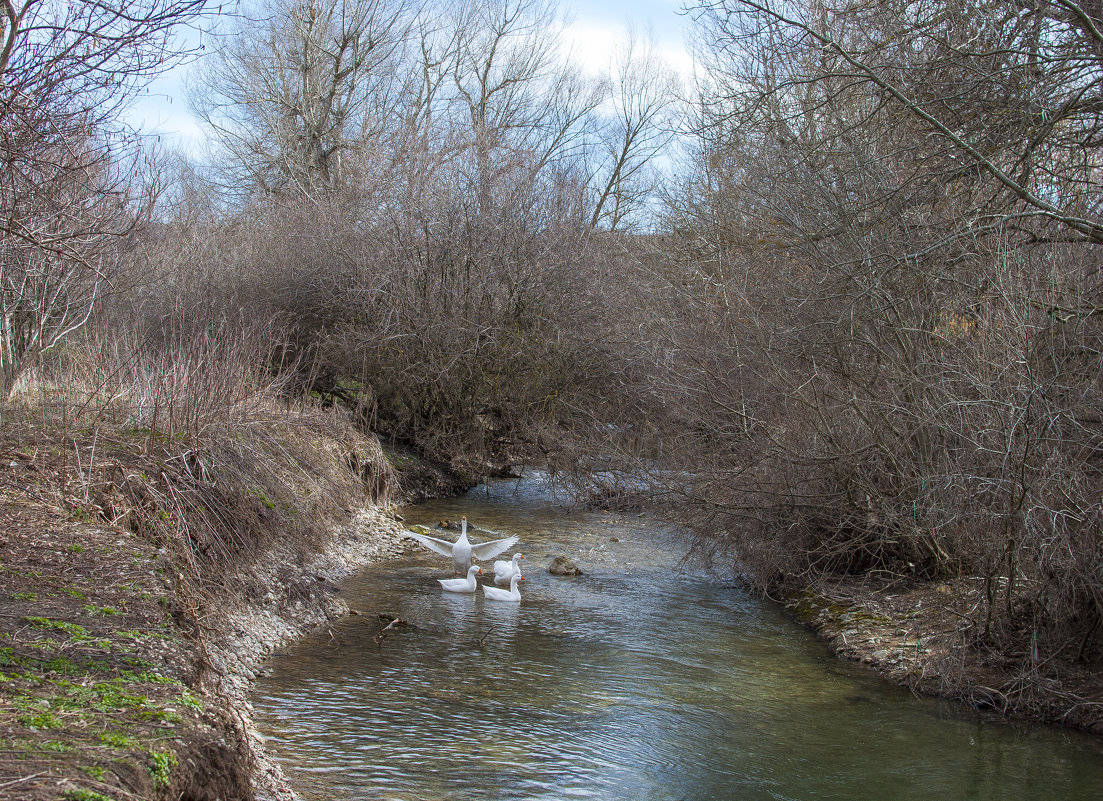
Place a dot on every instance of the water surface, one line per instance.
(642, 679)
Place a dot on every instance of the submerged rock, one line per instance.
(562, 566)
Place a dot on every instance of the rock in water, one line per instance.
(562, 566)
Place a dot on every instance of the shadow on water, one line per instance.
(641, 679)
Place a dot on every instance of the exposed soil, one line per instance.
(119, 677)
(98, 666)
(928, 636)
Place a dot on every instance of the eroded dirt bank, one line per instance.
(140, 591)
(301, 596)
(111, 687)
(929, 636)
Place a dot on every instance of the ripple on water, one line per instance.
(639, 680)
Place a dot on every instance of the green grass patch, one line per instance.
(166, 715)
(189, 700)
(136, 661)
(41, 721)
(61, 664)
(92, 609)
(118, 740)
(161, 769)
(72, 629)
(94, 771)
(103, 697)
(81, 794)
(24, 596)
(56, 746)
(149, 676)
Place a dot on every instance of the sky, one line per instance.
(597, 28)
(600, 25)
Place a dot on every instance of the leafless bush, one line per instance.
(890, 313)
(451, 284)
(69, 185)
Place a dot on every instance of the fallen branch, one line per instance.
(394, 622)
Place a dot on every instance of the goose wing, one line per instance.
(443, 547)
(488, 550)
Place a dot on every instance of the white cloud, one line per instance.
(593, 36)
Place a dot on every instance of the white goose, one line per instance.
(505, 570)
(461, 550)
(512, 594)
(463, 584)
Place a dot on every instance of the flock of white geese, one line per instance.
(506, 572)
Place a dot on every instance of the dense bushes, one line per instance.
(892, 346)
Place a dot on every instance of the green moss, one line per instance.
(75, 548)
(24, 596)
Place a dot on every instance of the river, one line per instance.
(642, 679)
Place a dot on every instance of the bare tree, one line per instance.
(1007, 89)
(300, 93)
(66, 185)
(640, 126)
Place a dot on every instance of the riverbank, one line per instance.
(927, 636)
(128, 642)
(125, 668)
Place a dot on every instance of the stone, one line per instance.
(335, 608)
(562, 566)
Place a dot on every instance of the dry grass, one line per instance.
(140, 476)
(195, 447)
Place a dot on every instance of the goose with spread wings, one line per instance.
(461, 551)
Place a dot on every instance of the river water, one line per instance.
(642, 679)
